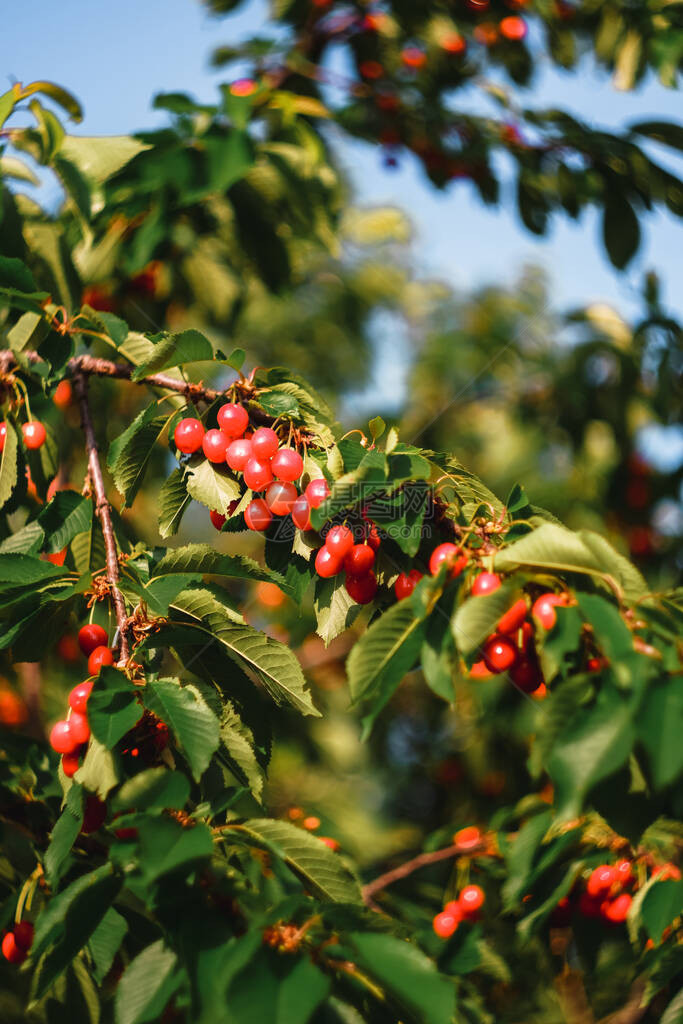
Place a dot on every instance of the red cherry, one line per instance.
(526, 675)
(485, 583)
(61, 738)
(372, 537)
(445, 924)
(480, 671)
(23, 934)
(514, 28)
(80, 730)
(449, 554)
(63, 394)
(467, 838)
(280, 497)
(90, 637)
(264, 443)
(257, 474)
(257, 515)
(499, 653)
(94, 815)
(362, 588)
(68, 649)
(543, 609)
(287, 464)
(3, 435)
(471, 900)
(332, 844)
(56, 557)
(359, 560)
(232, 419)
(188, 436)
(327, 564)
(453, 43)
(339, 541)
(601, 880)
(34, 434)
(238, 454)
(11, 949)
(71, 764)
(413, 57)
(301, 513)
(589, 906)
(616, 910)
(99, 657)
(624, 870)
(406, 583)
(215, 445)
(317, 492)
(665, 871)
(78, 698)
(217, 519)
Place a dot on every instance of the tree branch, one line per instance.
(103, 510)
(421, 861)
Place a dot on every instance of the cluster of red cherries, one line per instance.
(17, 942)
(606, 893)
(467, 907)
(69, 737)
(33, 432)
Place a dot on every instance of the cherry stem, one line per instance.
(103, 510)
(421, 861)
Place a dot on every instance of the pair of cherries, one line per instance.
(33, 432)
(17, 942)
(283, 499)
(340, 552)
(465, 908)
(69, 737)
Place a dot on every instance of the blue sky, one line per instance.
(116, 56)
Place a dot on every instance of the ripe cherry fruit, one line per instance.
(485, 583)
(616, 910)
(467, 838)
(543, 609)
(339, 541)
(90, 637)
(287, 464)
(499, 653)
(34, 434)
(257, 474)
(447, 554)
(359, 560)
(238, 454)
(471, 900)
(264, 443)
(94, 815)
(70, 764)
(362, 588)
(217, 519)
(232, 419)
(601, 880)
(63, 394)
(514, 28)
(446, 923)
(11, 950)
(61, 738)
(188, 436)
(99, 657)
(301, 513)
(80, 730)
(257, 515)
(3, 435)
(317, 492)
(526, 675)
(280, 497)
(215, 445)
(327, 564)
(513, 618)
(23, 934)
(406, 583)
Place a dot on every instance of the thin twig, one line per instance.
(103, 510)
(421, 861)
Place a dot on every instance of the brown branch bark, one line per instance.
(421, 861)
(103, 510)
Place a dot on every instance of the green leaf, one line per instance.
(674, 1011)
(377, 426)
(386, 652)
(239, 744)
(66, 100)
(105, 943)
(165, 846)
(278, 403)
(67, 827)
(152, 789)
(667, 132)
(100, 157)
(68, 922)
(9, 466)
(130, 452)
(67, 515)
(141, 981)
(113, 707)
(206, 561)
(27, 541)
(311, 860)
(558, 549)
(25, 571)
(98, 772)
(211, 485)
(189, 718)
(173, 500)
(620, 229)
(274, 664)
(28, 331)
(408, 976)
(612, 634)
(14, 274)
(477, 617)
(335, 610)
(660, 727)
(172, 350)
(663, 903)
